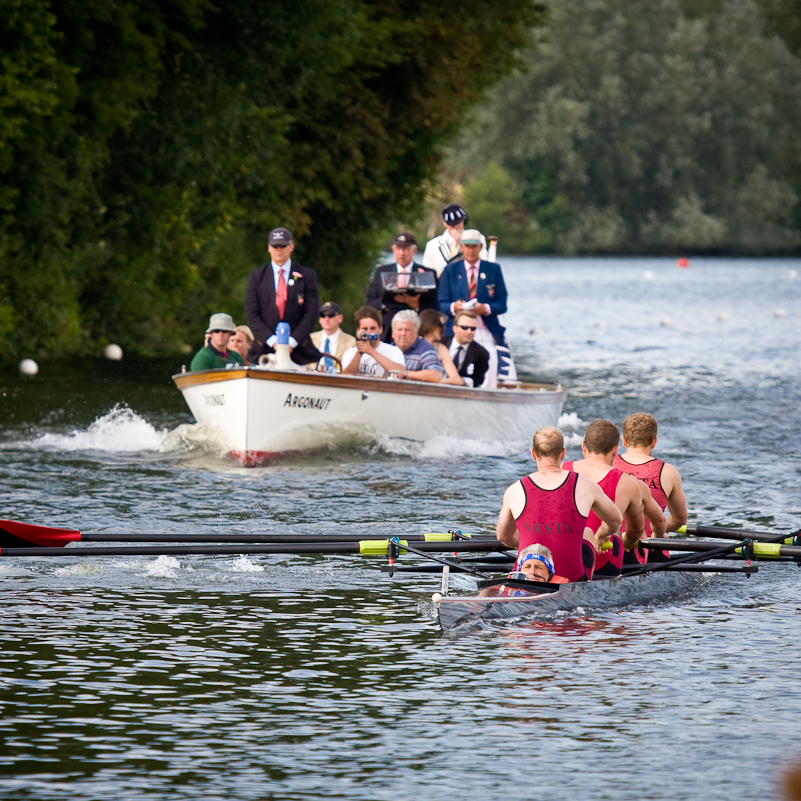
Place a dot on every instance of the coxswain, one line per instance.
(662, 479)
(550, 507)
(536, 562)
(632, 498)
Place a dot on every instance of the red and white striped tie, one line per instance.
(473, 283)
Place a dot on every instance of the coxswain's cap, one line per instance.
(221, 322)
(537, 557)
(405, 239)
(453, 213)
(471, 237)
(330, 307)
(280, 236)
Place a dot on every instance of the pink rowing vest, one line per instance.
(551, 518)
(607, 563)
(650, 473)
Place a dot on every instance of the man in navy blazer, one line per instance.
(485, 295)
(404, 248)
(287, 284)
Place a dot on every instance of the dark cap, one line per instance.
(280, 236)
(453, 213)
(330, 306)
(404, 239)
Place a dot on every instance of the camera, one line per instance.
(369, 337)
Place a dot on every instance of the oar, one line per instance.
(14, 533)
(761, 550)
(717, 532)
(362, 547)
(698, 557)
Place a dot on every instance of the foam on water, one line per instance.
(243, 565)
(85, 567)
(119, 431)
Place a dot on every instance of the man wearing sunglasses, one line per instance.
(331, 338)
(282, 291)
(470, 358)
(216, 354)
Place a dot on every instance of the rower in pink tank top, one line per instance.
(608, 562)
(551, 518)
(650, 473)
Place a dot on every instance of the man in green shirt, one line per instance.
(216, 356)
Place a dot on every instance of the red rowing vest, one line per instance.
(551, 518)
(650, 473)
(607, 563)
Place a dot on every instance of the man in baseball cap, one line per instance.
(407, 273)
(331, 338)
(282, 291)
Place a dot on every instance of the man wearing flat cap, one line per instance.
(445, 248)
(282, 291)
(473, 284)
(331, 338)
(402, 284)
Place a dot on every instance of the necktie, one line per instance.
(459, 356)
(403, 278)
(329, 363)
(280, 295)
(454, 248)
(473, 283)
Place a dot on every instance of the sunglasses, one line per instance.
(466, 327)
(327, 314)
(280, 247)
(220, 331)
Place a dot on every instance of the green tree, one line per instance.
(659, 130)
(146, 149)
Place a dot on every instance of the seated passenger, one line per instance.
(240, 341)
(371, 356)
(216, 354)
(431, 329)
(471, 359)
(331, 338)
(422, 362)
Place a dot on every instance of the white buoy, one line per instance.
(792, 274)
(723, 317)
(436, 598)
(666, 322)
(780, 313)
(28, 367)
(113, 352)
(648, 275)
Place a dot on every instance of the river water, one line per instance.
(310, 677)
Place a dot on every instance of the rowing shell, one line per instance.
(495, 604)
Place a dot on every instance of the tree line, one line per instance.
(660, 127)
(147, 147)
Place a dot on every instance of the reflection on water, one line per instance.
(319, 677)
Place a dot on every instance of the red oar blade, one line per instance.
(14, 534)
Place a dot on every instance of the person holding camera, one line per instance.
(370, 356)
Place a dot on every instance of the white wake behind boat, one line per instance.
(263, 413)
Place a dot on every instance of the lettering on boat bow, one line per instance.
(214, 400)
(299, 402)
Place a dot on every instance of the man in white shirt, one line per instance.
(370, 356)
(443, 249)
(331, 339)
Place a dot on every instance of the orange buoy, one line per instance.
(683, 262)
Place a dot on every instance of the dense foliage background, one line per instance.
(657, 127)
(148, 146)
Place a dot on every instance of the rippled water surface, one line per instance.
(309, 677)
